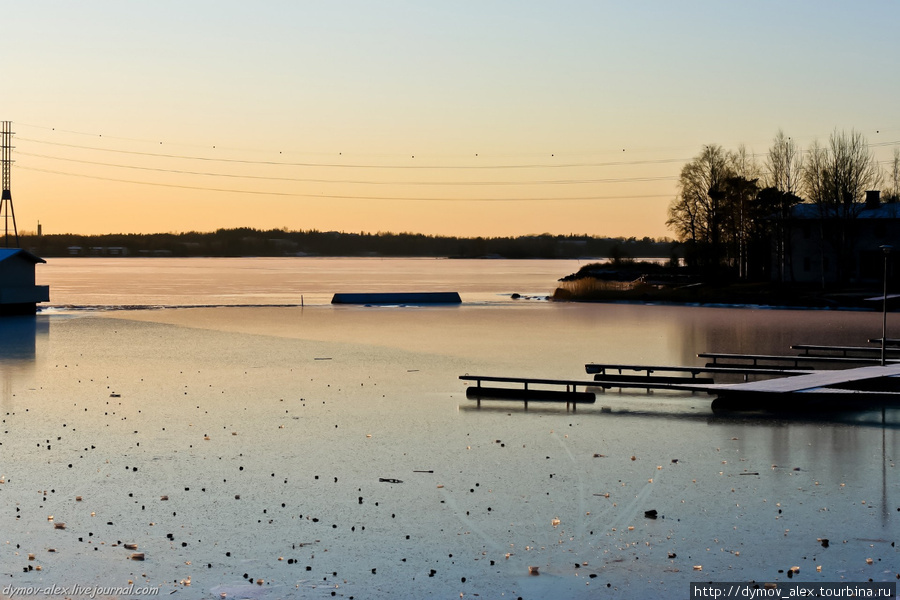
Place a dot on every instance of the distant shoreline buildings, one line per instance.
(252, 242)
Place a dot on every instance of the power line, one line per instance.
(346, 197)
(360, 182)
(219, 147)
(207, 146)
(360, 166)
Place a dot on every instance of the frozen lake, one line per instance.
(242, 444)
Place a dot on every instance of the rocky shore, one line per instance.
(649, 282)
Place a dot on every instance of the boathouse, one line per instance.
(18, 293)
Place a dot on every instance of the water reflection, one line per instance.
(878, 418)
(19, 337)
(810, 444)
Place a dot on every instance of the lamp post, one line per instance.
(887, 251)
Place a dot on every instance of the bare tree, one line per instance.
(684, 218)
(892, 191)
(741, 190)
(854, 168)
(815, 174)
(836, 178)
(784, 165)
(815, 184)
(697, 213)
(717, 211)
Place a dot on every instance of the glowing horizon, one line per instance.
(462, 120)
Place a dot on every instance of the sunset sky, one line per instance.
(458, 118)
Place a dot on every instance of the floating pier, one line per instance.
(398, 298)
(790, 388)
(528, 394)
(745, 370)
(844, 350)
(844, 388)
(796, 359)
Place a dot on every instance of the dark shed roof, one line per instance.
(10, 252)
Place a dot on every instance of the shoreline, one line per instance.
(760, 295)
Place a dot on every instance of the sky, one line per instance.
(469, 118)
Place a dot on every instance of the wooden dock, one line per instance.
(796, 359)
(813, 381)
(570, 395)
(745, 370)
(843, 387)
(846, 388)
(528, 393)
(844, 350)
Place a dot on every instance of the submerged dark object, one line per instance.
(398, 298)
(385, 480)
(528, 395)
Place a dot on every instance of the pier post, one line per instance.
(887, 251)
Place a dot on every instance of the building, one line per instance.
(843, 245)
(18, 293)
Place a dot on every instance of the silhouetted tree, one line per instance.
(784, 165)
(891, 192)
(717, 213)
(741, 187)
(696, 214)
(835, 179)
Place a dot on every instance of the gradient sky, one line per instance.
(458, 118)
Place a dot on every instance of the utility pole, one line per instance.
(6, 206)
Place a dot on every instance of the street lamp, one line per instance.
(887, 251)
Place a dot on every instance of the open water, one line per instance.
(251, 447)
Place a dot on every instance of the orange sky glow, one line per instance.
(467, 119)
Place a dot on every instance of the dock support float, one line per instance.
(527, 393)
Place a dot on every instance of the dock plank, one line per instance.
(724, 369)
(687, 386)
(805, 383)
(807, 348)
(618, 377)
(788, 358)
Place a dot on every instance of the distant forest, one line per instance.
(253, 242)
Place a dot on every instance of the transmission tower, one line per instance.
(6, 206)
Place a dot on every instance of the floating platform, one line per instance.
(861, 379)
(845, 351)
(847, 389)
(527, 393)
(780, 358)
(745, 370)
(792, 388)
(398, 298)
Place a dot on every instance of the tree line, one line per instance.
(734, 214)
(278, 242)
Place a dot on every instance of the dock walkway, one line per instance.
(844, 350)
(814, 381)
(796, 359)
(604, 368)
(845, 387)
(570, 395)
